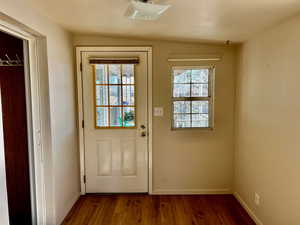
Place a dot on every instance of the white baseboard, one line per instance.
(190, 191)
(247, 208)
(68, 208)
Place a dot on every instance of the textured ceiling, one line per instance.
(194, 20)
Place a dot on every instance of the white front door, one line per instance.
(115, 121)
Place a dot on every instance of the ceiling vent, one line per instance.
(145, 10)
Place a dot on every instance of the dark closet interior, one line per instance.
(13, 96)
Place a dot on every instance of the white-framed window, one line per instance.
(192, 97)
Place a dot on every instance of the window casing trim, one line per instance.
(209, 98)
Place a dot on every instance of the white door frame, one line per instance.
(38, 118)
(79, 50)
(4, 219)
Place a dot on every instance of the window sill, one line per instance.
(193, 128)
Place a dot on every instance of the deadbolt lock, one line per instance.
(144, 134)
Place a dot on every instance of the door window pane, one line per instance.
(102, 116)
(101, 95)
(114, 74)
(128, 74)
(114, 96)
(129, 116)
(116, 119)
(128, 95)
(101, 74)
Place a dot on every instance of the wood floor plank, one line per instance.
(142, 209)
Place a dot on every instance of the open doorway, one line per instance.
(17, 136)
(36, 80)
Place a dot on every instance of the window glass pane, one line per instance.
(200, 106)
(101, 95)
(199, 90)
(116, 117)
(128, 95)
(129, 116)
(182, 120)
(181, 90)
(191, 97)
(200, 75)
(200, 120)
(101, 74)
(115, 95)
(128, 74)
(182, 107)
(114, 74)
(182, 76)
(102, 116)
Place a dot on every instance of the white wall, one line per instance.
(4, 219)
(268, 125)
(61, 156)
(189, 161)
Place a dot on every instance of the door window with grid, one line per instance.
(192, 97)
(114, 95)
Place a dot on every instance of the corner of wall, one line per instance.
(67, 209)
(235, 137)
(248, 209)
(235, 120)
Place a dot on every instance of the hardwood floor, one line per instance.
(142, 209)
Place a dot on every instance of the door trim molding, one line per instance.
(79, 50)
(38, 111)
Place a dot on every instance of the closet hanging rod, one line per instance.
(11, 62)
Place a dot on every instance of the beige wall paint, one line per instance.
(61, 156)
(187, 160)
(268, 125)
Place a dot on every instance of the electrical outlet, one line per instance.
(256, 199)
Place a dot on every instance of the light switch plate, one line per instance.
(158, 111)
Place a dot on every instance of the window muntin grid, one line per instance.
(192, 100)
(114, 96)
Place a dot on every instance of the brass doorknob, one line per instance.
(143, 134)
